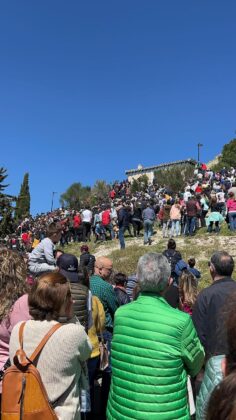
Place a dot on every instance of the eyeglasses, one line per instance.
(108, 268)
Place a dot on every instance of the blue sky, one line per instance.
(89, 89)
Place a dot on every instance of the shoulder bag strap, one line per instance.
(44, 341)
(22, 326)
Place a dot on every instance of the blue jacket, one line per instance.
(148, 214)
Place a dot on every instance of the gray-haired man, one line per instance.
(154, 348)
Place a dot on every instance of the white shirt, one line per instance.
(187, 194)
(220, 197)
(87, 216)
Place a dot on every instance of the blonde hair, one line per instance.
(188, 288)
(13, 285)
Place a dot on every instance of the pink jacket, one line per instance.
(175, 213)
(231, 205)
(19, 312)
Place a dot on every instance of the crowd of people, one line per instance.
(207, 199)
(159, 348)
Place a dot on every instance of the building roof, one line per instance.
(162, 165)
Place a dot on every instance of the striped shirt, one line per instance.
(132, 283)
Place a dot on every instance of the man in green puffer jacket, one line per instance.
(154, 348)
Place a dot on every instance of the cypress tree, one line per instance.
(23, 200)
(6, 208)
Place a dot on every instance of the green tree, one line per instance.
(76, 196)
(139, 184)
(6, 206)
(100, 192)
(228, 156)
(175, 177)
(23, 200)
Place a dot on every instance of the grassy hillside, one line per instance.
(200, 246)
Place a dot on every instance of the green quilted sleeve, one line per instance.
(192, 350)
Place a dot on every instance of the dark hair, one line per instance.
(120, 278)
(222, 403)
(56, 251)
(191, 262)
(223, 263)
(53, 229)
(47, 296)
(171, 244)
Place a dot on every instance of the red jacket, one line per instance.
(76, 221)
(112, 194)
(106, 218)
(25, 237)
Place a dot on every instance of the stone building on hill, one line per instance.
(149, 171)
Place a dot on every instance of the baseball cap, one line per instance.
(68, 266)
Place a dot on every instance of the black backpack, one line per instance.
(173, 257)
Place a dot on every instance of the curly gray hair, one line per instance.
(153, 272)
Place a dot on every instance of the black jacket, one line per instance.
(121, 296)
(123, 217)
(87, 260)
(137, 214)
(173, 257)
(209, 315)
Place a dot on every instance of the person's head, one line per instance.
(57, 253)
(68, 266)
(171, 244)
(50, 297)
(221, 265)
(84, 249)
(13, 273)
(188, 288)
(103, 267)
(153, 273)
(231, 194)
(54, 232)
(191, 262)
(120, 279)
(222, 402)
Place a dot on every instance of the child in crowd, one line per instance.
(121, 281)
(192, 269)
(41, 259)
(187, 291)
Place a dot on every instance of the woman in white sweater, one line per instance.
(60, 362)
